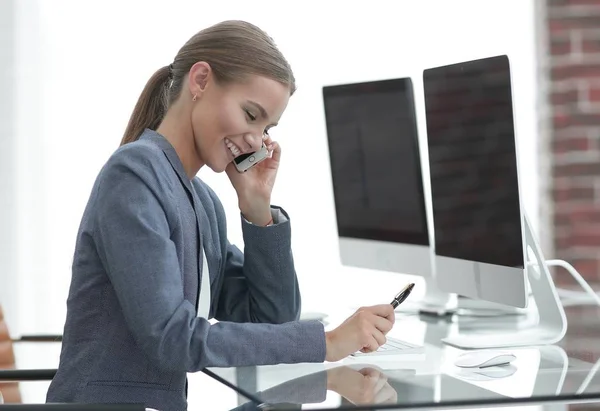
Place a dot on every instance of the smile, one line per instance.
(235, 150)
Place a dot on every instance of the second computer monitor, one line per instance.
(376, 173)
(477, 211)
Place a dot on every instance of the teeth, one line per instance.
(232, 147)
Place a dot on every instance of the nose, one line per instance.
(254, 142)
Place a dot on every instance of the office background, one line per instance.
(71, 72)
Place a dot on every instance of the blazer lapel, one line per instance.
(173, 158)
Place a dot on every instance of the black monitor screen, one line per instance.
(375, 164)
(473, 162)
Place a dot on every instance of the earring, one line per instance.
(195, 97)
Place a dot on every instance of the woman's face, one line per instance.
(230, 120)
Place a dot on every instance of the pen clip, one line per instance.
(408, 287)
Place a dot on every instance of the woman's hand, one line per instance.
(254, 187)
(364, 331)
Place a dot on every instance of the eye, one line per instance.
(250, 116)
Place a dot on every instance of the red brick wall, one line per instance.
(573, 34)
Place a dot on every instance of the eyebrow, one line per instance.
(262, 110)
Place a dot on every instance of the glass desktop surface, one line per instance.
(428, 381)
(560, 374)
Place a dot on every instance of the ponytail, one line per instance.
(150, 108)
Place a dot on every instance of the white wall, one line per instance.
(88, 62)
(8, 175)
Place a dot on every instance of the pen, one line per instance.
(402, 295)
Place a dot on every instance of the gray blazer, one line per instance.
(132, 331)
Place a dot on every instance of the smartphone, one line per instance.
(246, 161)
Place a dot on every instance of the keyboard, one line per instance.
(394, 346)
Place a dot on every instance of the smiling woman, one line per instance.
(152, 260)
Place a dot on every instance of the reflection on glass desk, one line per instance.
(555, 375)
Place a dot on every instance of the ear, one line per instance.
(200, 74)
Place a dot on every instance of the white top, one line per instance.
(204, 300)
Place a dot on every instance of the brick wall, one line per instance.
(573, 62)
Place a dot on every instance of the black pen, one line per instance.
(402, 295)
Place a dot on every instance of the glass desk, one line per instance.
(557, 376)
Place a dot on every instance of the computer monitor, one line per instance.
(474, 183)
(377, 180)
(482, 237)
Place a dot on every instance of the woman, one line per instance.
(152, 262)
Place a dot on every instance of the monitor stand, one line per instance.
(551, 326)
(436, 302)
(471, 307)
(439, 303)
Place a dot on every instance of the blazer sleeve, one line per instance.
(132, 235)
(261, 285)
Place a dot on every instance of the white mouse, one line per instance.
(484, 358)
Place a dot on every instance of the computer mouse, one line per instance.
(484, 358)
(488, 373)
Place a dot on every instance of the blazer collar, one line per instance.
(170, 153)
